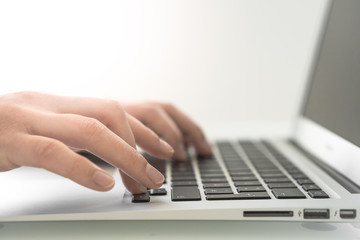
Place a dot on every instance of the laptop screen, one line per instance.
(334, 95)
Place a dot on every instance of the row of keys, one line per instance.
(217, 187)
(304, 181)
(245, 181)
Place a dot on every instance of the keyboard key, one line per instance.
(181, 174)
(218, 191)
(251, 189)
(185, 194)
(240, 196)
(299, 176)
(317, 194)
(304, 181)
(212, 175)
(241, 174)
(308, 187)
(254, 195)
(216, 185)
(139, 198)
(267, 170)
(239, 170)
(245, 178)
(272, 175)
(277, 180)
(183, 178)
(247, 183)
(158, 191)
(211, 171)
(214, 180)
(183, 183)
(281, 185)
(287, 193)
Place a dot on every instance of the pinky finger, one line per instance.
(56, 157)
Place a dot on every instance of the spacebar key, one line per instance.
(185, 194)
(240, 196)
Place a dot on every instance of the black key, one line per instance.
(183, 178)
(211, 171)
(180, 174)
(143, 197)
(281, 185)
(158, 191)
(299, 176)
(214, 180)
(216, 185)
(247, 183)
(183, 183)
(218, 191)
(239, 171)
(318, 194)
(268, 171)
(293, 171)
(304, 181)
(287, 193)
(254, 195)
(245, 178)
(185, 194)
(236, 166)
(212, 175)
(272, 175)
(240, 196)
(241, 174)
(208, 164)
(251, 189)
(277, 180)
(308, 187)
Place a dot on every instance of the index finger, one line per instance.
(190, 129)
(91, 135)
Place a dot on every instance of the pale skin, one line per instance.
(42, 130)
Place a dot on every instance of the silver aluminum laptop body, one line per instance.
(325, 145)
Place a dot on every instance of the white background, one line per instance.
(231, 65)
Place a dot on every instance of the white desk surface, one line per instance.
(178, 230)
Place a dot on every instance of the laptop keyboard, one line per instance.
(259, 172)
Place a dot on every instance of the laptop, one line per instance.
(311, 176)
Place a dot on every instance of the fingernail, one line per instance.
(165, 145)
(154, 174)
(103, 179)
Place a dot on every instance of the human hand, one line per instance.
(172, 125)
(39, 129)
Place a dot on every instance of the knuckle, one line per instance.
(92, 127)
(10, 109)
(73, 170)
(114, 112)
(46, 150)
(168, 106)
(25, 94)
(116, 106)
(153, 110)
(6, 164)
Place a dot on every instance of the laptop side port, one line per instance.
(316, 213)
(268, 213)
(348, 213)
